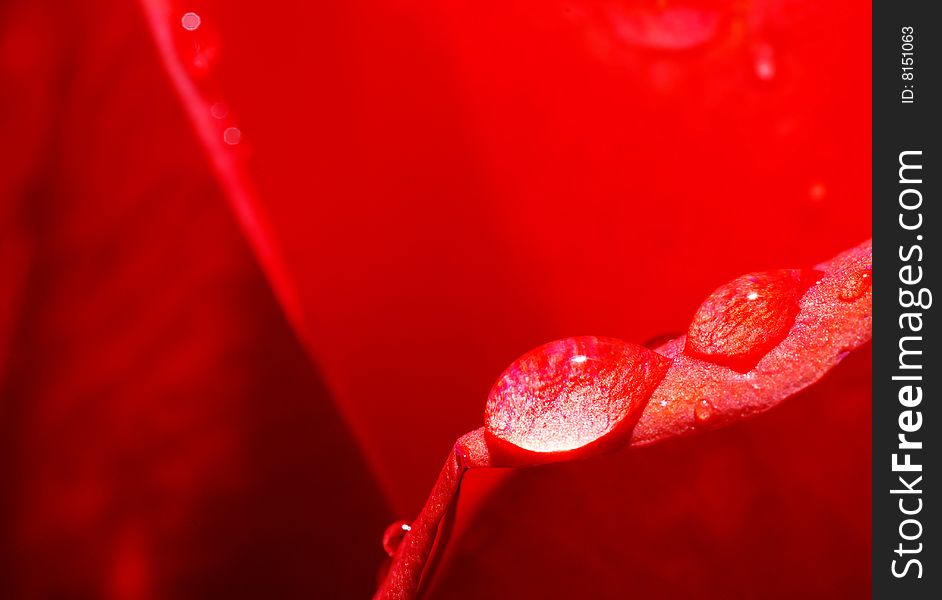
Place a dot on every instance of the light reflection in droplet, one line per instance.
(393, 536)
(191, 21)
(765, 63)
(232, 135)
(856, 285)
(579, 358)
(703, 412)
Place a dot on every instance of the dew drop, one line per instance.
(191, 21)
(461, 453)
(219, 110)
(232, 135)
(393, 535)
(856, 285)
(764, 63)
(204, 58)
(661, 339)
(744, 319)
(570, 393)
(817, 192)
(703, 412)
(664, 27)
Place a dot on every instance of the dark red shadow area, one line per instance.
(162, 432)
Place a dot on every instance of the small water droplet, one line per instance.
(219, 110)
(191, 21)
(764, 63)
(703, 412)
(856, 285)
(462, 453)
(203, 59)
(664, 27)
(393, 535)
(232, 135)
(661, 339)
(817, 192)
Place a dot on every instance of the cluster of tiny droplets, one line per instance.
(231, 135)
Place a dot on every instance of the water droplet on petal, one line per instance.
(462, 454)
(764, 63)
(232, 135)
(204, 58)
(856, 285)
(744, 319)
(703, 412)
(191, 21)
(664, 27)
(219, 110)
(570, 393)
(817, 192)
(393, 535)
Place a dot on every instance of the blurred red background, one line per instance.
(257, 274)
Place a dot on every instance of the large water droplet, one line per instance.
(191, 21)
(393, 535)
(856, 285)
(570, 393)
(744, 319)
